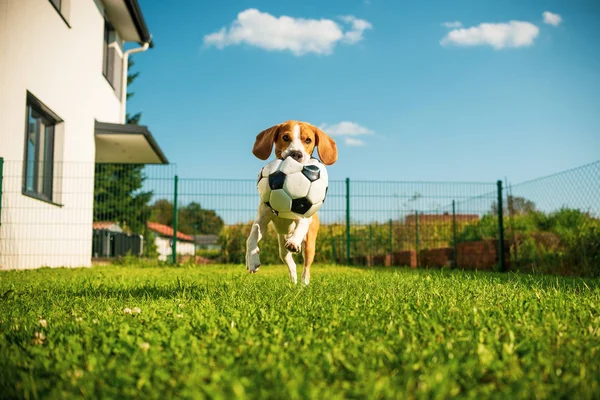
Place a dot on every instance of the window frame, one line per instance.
(106, 41)
(112, 58)
(52, 120)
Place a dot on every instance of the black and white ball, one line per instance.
(291, 189)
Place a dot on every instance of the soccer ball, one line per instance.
(291, 189)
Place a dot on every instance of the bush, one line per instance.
(211, 254)
(566, 241)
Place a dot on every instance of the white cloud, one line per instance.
(359, 26)
(349, 131)
(298, 35)
(551, 18)
(452, 25)
(345, 128)
(498, 35)
(354, 142)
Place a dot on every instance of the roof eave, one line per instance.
(129, 130)
(140, 24)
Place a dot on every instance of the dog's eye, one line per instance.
(308, 141)
(286, 138)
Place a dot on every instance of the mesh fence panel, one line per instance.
(42, 227)
(553, 223)
(106, 211)
(92, 210)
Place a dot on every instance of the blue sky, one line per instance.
(479, 99)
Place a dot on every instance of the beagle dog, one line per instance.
(298, 140)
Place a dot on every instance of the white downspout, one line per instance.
(124, 76)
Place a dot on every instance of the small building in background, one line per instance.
(207, 242)
(107, 226)
(164, 241)
(110, 241)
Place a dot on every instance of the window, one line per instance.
(106, 70)
(39, 149)
(111, 58)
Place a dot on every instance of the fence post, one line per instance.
(370, 261)
(391, 243)
(348, 220)
(454, 255)
(500, 229)
(417, 235)
(1, 175)
(175, 221)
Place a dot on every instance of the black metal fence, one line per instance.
(104, 210)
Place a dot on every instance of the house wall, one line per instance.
(62, 67)
(165, 251)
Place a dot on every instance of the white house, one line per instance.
(63, 75)
(164, 241)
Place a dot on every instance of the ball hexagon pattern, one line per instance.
(293, 190)
(296, 185)
(312, 172)
(276, 180)
(301, 205)
(263, 190)
(317, 191)
(280, 201)
(270, 168)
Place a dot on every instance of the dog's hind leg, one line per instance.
(309, 248)
(287, 257)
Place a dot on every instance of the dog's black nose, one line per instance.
(296, 155)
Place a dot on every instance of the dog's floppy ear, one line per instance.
(264, 142)
(326, 147)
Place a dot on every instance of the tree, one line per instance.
(117, 187)
(162, 212)
(117, 196)
(520, 205)
(515, 205)
(197, 221)
(193, 219)
(131, 77)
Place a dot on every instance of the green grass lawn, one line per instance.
(218, 332)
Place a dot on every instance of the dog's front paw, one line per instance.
(252, 263)
(293, 245)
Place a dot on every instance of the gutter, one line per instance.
(124, 68)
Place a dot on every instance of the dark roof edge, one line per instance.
(109, 128)
(138, 19)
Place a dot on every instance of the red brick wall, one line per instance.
(440, 257)
(480, 255)
(362, 260)
(399, 258)
(406, 258)
(378, 260)
(469, 255)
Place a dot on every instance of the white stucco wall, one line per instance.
(163, 246)
(62, 67)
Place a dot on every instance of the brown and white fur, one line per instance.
(298, 140)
